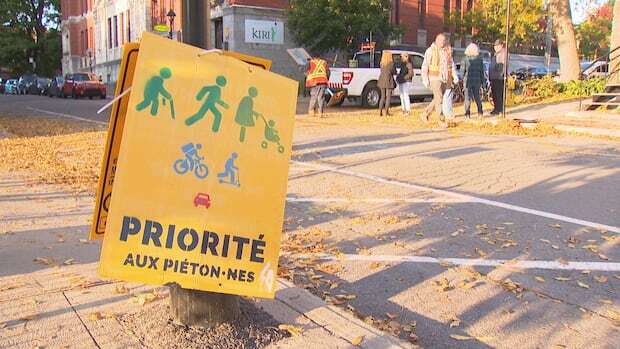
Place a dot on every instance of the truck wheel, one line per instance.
(371, 95)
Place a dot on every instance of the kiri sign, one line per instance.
(264, 32)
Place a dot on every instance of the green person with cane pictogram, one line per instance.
(155, 87)
(214, 94)
(245, 113)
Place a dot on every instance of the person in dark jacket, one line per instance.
(386, 82)
(496, 75)
(472, 71)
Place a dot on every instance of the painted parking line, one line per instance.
(369, 200)
(459, 196)
(512, 263)
(67, 116)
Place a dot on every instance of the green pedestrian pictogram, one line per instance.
(214, 94)
(153, 89)
(245, 113)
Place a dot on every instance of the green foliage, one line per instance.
(547, 87)
(543, 88)
(30, 29)
(576, 88)
(323, 25)
(594, 33)
(488, 20)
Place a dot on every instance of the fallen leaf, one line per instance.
(391, 316)
(613, 314)
(581, 284)
(557, 226)
(83, 241)
(459, 337)
(42, 260)
(539, 278)
(605, 301)
(600, 279)
(95, 316)
(561, 278)
(455, 322)
(293, 330)
(69, 261)
(121, 289)
(375, 265)
(357, 340)
(603, 257)
(412, 338)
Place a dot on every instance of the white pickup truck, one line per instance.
(360, 84)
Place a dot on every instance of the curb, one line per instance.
(294, 303)
(588, 130)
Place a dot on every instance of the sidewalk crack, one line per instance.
(81, 320)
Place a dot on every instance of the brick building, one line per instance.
(424, 19)
(95, 30)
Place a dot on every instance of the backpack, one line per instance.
(403, 71)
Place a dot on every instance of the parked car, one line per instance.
(2, 83)
(25, 82)
(83, 85)
(54, 88)
(39, 86)
(527, 73)
(10, 88)
(598, 69)
(360, 83)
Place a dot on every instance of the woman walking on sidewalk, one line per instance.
(386, 82)
(472, 70)
(404, 77)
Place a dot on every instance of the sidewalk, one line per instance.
(51, 296)
(565, 116)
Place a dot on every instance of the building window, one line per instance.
(128, 26)
(422, 12)
(110, 32)
(115, 31)
(122, 40)
(82, 49)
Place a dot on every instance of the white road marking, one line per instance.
(369, 200)
(519, 264)
(109, 104)
(463, 197)
(68, 116)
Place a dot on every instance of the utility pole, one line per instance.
(548, 36)
(207, 25)
(507, 57)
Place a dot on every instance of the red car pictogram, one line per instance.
(202, 199)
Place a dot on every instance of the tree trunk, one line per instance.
(614, 65)
(201, 308)
(565, 34)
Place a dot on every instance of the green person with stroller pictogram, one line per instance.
(153, 89)
(271, 135)
(245, 113)
(214, 94)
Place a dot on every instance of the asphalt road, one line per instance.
(481, 241)
(41, 105)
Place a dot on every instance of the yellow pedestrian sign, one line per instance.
(201, 178)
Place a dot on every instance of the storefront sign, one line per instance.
(200, 185)
(264, 32)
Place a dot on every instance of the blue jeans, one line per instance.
(446, 105)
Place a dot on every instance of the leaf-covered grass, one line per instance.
(53, 150)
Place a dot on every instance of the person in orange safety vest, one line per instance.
(317, 77)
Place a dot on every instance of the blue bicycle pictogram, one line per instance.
(191, 162)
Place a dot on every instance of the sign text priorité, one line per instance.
(172, 237)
